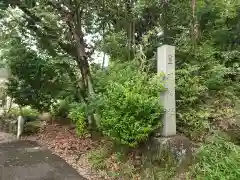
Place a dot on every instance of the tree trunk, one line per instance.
(84, 68)
(165, 23)
(195, 33)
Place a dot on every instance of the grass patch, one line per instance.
(113, 161)
(98, 157)
(218, 159)
(118, 162)
(156, 173)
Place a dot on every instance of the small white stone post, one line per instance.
(166, 65)
(20, 124)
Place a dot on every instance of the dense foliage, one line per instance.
(27, 113)
(217, 159)
(48, 46)
(128, 103)
(77, 114)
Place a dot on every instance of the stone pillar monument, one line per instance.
(166, 65)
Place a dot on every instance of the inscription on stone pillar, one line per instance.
(166, 64)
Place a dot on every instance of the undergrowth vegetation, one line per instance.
(50, 49)
(127, 101)
(219, 159)
(77, 114)
(27, 112)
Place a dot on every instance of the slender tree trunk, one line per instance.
(133, 28)
(103, 61)
(194, 22)
(130, 26)
(103, 36)
(165, 22)
(10, 105)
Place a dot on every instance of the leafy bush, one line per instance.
(27, 112)
(36, 78)
(192, 114)
(128, 103)
(217, 159)
(60, 108)
(77, 114)
(205, 93)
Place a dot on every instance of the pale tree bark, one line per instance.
(195, 30)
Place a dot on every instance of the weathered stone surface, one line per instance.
(175, 149)
(25, 160)
(166, 65)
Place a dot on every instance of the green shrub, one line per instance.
(203, 99)
(128, 103)
(218, 159)
(28, 113)
(13, 112)
(60, 108)
(98, 158)
(192, 114)
(78, 115)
